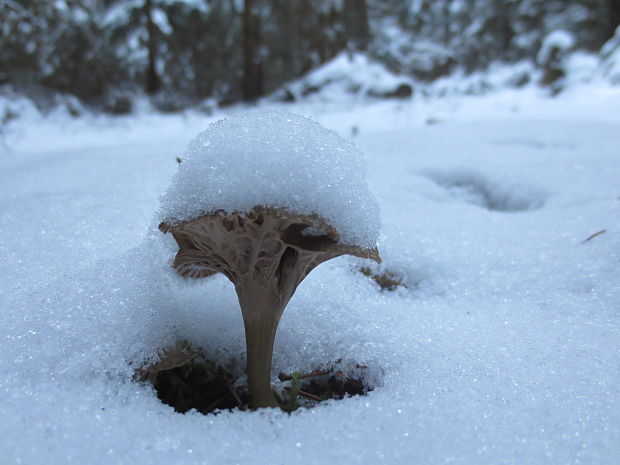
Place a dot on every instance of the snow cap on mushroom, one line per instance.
(276, 160)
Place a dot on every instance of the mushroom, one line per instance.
(266, 253)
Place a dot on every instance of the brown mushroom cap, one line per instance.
(253, 243)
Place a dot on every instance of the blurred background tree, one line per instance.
(181, 52)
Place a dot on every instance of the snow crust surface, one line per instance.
(275, 159)
(503, 347)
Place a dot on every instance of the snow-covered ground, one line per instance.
(504, 346)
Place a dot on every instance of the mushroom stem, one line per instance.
(261, 315)
(259, 337)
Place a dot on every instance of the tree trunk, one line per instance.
(252, 69)
(322, 38)
(152, 79)
(356, 24)
(613, 15)
(446, 22)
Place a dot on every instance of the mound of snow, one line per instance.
(14, 106)
(498, 76)
(406, 53)
(348, 74)
(280, 160)
(555, 42)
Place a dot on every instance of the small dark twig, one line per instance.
(213, 405)
(309, 396)
(305, 394)
(598, 233)
(233, 391)
(285, 377)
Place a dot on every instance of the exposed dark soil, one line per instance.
(199, 385)
(185, 379)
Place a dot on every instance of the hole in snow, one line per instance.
(476, 189)
(186, 379)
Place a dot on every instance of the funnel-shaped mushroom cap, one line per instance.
(262, 244)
